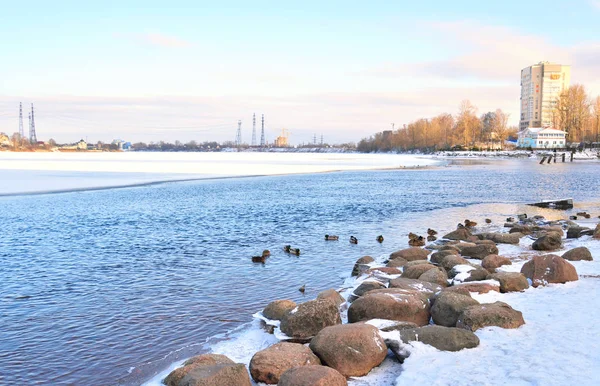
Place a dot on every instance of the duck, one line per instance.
(431, 232)
(302, 289)
(431, 238)
(353, 240)
(412, 236)
(258, 259)
(459, 226)
(266, 253)
(510, 219)
(380, 239)
(470, 224)
(331, 238)
(572, 217)
(488, 220)
(522, 217)
(418, 241)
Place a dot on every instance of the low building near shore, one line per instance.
(542, 138)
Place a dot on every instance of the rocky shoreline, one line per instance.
(439, 295)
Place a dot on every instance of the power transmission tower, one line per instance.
(253, 129)
(238, 137)
(321, 139)
(315, 139)
(262, 132)
(21, 132)
(32, 136)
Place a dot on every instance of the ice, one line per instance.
(55, 171)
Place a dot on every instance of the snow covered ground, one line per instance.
(54, 171)
(558, 345)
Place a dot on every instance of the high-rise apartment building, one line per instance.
(541, 85)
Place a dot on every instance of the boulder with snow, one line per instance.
(332, 295)
(209, 370)
(396, 263)
(436, 275)
(481, 287)
(577, 254)
(267, 365)
(597, 232)
(550, 242)
(545, 269)
(448, 306)
(479, 251)
(427, 288)
(392, 304)
(510, 281)
(442, 338)
(306, 320)
(366, 286)
(351, 349)
(448, 262)
(459, 234)
(437, 257)
(495, 314)
(415, 271)
(378, 271)
(491, 262)
(312, 376)
(575, 232)
(277, 309)
(501, 238)
(410, 254)
(362, 265)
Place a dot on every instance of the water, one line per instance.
(109, 287)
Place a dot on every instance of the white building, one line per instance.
(541, 85)
(541, 138)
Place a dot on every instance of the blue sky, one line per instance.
(143, 70)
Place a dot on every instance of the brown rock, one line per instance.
(481, 288)
(361, 265)
(410, 254)
(332, 295)
(427, 288)
(442, 338)
(267, 365)
(479, 251)
(549, 242)
(459, 234)
(385, 270)
(209, 370)
(306, 320)
(597, 232)
(416, 271)
(390, 325)
(502, 238)
(491, 262)
(450, 261)
(366, 286)
(549, 269)
(351, 349)
(312, 376)
(437, 276)
(277, 309)
(396, 263)
(416, 262)
(391, 304)
(577, 254)
(496, 314)
(510, 281)
(437, 257)
(448, 306)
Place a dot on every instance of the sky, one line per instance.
(189, 70)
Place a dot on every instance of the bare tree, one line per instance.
(572, 112)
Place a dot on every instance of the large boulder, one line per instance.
(427, 288)
(392, 304)
(491, 262)
(510, 281)
(479, 251)
(277, 309)
(390, 325)
(459, 234)
(415, 271)
(481, 287)
(550, 242)
(542, 270)
(312, 376)
(396, 263)
(451, 261)
(442, 338)
(448, 306)
(410, 254)
(437, 257)
(332, 295)
(577, 254)
(477, 274)
(575, 232)
(416, 262)
(351, 349)
(362, 265)
(378, 271)
(437, 276)
(501, 238)
(495, 314)
(597, 232)
(306, 320)
(209, 370)
(366, 286)
(267, 365)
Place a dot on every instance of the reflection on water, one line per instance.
(96, 284)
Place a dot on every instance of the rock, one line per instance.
(437, 257)
(366, 286)
(209, 370)
(306, 320)
(549, 269)
(267, 365)
(451, 261)
(459, 234)
(277, 309)
(416, 262)
(510, 281)
(575, 232)
(390, 325)
(410, 254)
(448, 306)
(549, 242)
(416, 271)
(450, 247)
(502, 238)
(577, 254)
(478, 274)
(351, 349)
(442, 338)
(479, 287)
(522, 229)
(427, 288)
(479, 251)
(597, 232)
(396, 263)
(332, 295)
(312, 376)
(491, 262)
(495, 314)
(391, 304)
(361, 265)
(437, 276)
(384, 270)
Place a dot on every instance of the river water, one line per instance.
(110, 287)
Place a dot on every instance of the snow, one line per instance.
(55, 171)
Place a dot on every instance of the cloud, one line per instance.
(595, 4)
(155, 39)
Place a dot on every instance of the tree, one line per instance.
(500, 126)
(572, 112)
(467, 122)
